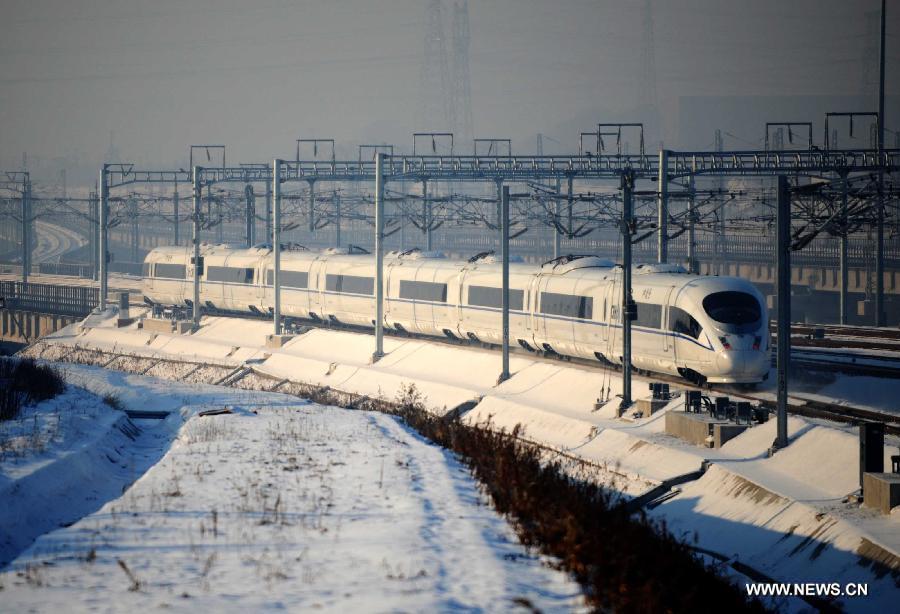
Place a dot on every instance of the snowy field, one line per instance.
(281, 504)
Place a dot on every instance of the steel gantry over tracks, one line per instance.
(531, 168)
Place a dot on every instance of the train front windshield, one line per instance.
(737, 312)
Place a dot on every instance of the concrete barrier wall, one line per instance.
(26, 326)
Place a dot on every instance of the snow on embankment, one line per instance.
(291, 506)
(787, 516)
(783, 538)
(555, 403)
(59, 460)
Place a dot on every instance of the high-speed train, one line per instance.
(706, 329)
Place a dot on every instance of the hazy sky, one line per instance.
(257, 74)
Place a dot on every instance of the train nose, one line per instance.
(757, 363)
(731, 362)
(743, 364)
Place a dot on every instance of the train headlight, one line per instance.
(725, 343)
(756, 342)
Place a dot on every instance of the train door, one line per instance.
(606, 301)
(389, 305)
(455, 299)
(528, 309)
(668, 341)
(612, 298)
(538, 323)
(316, 284)
(148, 275)
(260, 290)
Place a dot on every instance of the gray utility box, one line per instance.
(647, 407)
(277, 341)
(158, 325)
(881, 491)
(701, 429)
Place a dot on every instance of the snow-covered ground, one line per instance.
(281, 504)
(747, 505)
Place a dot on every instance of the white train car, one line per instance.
(230, 278)
(712, 329)
(165, 271)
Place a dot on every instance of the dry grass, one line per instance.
(23, 381)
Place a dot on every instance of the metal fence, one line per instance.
(76, 301)
(65, 268)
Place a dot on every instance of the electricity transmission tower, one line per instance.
(435, 107)
(868, 85)
(647, 103)
(461, 102)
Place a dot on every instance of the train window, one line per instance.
(350, 284)
(732, 307)
(423, 291)
(567, 305)
(649, 315)
(145, 270)
(233, 275)
(486, 296)
(682, 322)
(289, 279)
(170, 271)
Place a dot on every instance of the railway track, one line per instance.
(852, 363)
(844, 337)
(845, 414)
(839, 413)
(830, 330)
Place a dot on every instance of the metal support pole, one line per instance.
(662, 213)
(879, 239)
(504, 245)
(722, 249)
(844, 244)
(268, 211)
(220, 220)
(570, 189)
(311, 211)
(337, 219)
(176, 222)
(135, 242)
(499, 218)
(26, 230)
(426, 215)
(32, 227)
(276, 240)
(94, 235)
(250, 213)
(556, 236)
(879, 256)
(783, 296)
(627, 306)
(97, 237)
(104, 238)
(692, 248)
(379, 256)
(196, 196)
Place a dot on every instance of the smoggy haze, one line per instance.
(256, 75)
